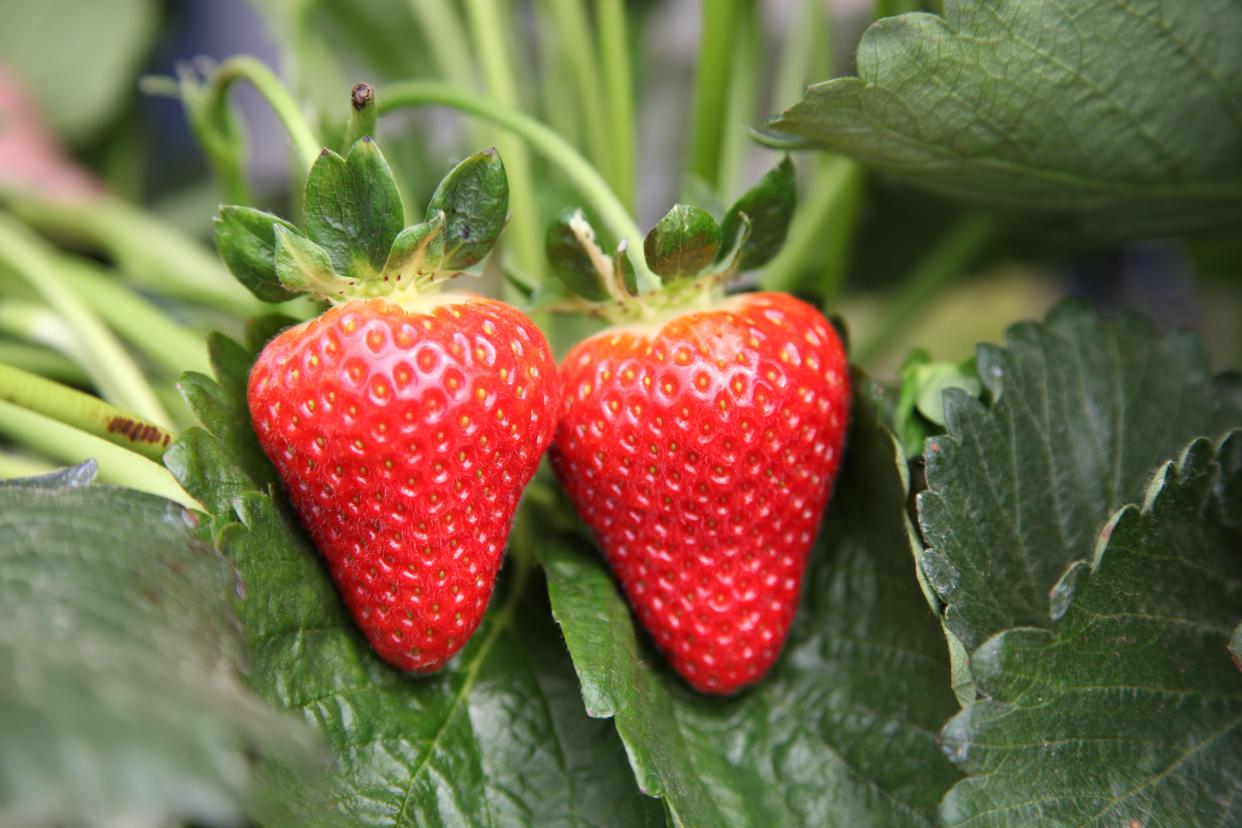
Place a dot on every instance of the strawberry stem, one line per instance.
(586, 178)
(244, 67)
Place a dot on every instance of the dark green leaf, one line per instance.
(474, 198)
(1123, 116)
(120, 699)
(770, 207)
(495, 738)
(1084, 410)
(303, 266)
(353, 209)
(683, 242)
(1128, 711)
(246, 240)
(574, 256)
(843, 730)
(78, 60)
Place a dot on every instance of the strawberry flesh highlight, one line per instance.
(702, 453)
(405, 439)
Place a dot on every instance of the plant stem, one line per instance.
(807, 54)
(575, 34)
(145, 249)
(107, 362)
(711, 87)
(362, 114)
(67, 444)
(84, 412)
(960, 245)
(42, 361)
(492, 50)
(244, 67)
(615, 48)
(552, 146)
(823, 222)
(740, 105)
(19, 465)
(147, 327)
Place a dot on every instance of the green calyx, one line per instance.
(694, 255)
(355, 243)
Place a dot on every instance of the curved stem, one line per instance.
(617, 82)
(560, 152)
(244, 67)
(119, 377)
(960, 245)
(67, 444)
(84, 412)
(570, 19)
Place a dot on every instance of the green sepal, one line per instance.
(304, 266)
(353, 209)
(573, 255)
(733, 247)
(417, 251)
(684, 242)
(770, 206)
(623, 270)
(245, 239)
(474, 198)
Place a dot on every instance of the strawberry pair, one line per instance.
(698, 440)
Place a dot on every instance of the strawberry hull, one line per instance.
(701, 452)
(404, 439)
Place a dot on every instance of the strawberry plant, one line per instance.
(500, 466)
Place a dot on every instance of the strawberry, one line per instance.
(404, 438)
(403, 423)
(701, 452)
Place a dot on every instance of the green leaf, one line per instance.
(1125, 116)
(415, 253)
(353, 209)
(78, 60)
(246, 241)
(474, 198)
(303, 266)
(919, 412)
(770, 206)
(574, 255)
(842, 732)
(495, 738)
(1128, 711)
(683, 242)
(1084, 410)
(120, 695)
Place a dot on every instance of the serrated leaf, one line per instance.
(246, 240)
(842, 732)
(682, 243)
(353, 209)
(975, 105)
(120, 699)
(304, 267)
(574, 255)
(415, 252)
(495, 738)
(1128, 711)
(770, 206)
(474, 198)
(1018, 491)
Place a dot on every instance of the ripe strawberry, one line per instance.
(405, 438)
(701, 452)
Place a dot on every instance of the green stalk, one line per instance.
(111, 366)
(244, 67)
(42, 361)
(807, 54)
(66, 444)
(492, 49)
(34, 322)
(711, 87)
(575, 34)
(362, 114)
(741, 104)
(594, 189)
(154, 254)
(948, 259)
(615, 48)
(14, 465)
(145, 326)
(84, 412)
(823, 222)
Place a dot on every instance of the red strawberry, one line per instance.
(701, 452)
(405, 437)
